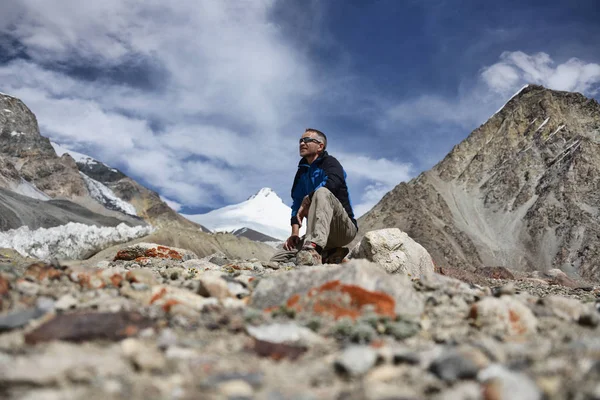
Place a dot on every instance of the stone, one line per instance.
(17, 319)
(497, 272)
(454, 366)
(452, 286)
(83, 326)
(462, 391)
(564, 307)
(212, 285)
(141, 276)
(288, 333)
(54, 363)
(144, 356)
(167, 297)
(500, 383)
(355, 360)
(236, 389)
(66, 302)
(397, 252)
(277, 289)
(505, 290)
(27, 288)
(278, 351)
(42, 271)
(589, 319)
(201, 265)
(503, 316)
(153, 250)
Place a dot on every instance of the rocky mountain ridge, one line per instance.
(521, 191)
(29, 165)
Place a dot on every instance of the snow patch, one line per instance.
(30, 190)
(7, 110)
(72, 241)
(105, 196)
(554, 133)
(78, 157)
(15, 133)
(542, 125)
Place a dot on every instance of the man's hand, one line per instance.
(291, 243)
(303, 210)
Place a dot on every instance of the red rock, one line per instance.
(80, 327)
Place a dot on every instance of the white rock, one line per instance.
(65, 302)
(395, 251)
(288, 333)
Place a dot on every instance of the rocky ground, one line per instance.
(159, 322)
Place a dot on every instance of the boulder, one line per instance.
(360, 276)
(395, 251)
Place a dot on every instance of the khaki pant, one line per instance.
(329, 226)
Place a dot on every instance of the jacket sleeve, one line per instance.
(334, 176)
(296, 199)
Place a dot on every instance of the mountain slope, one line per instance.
(30, 165)
(520, 191)
(263, 212)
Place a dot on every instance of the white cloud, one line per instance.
(515, 68)
(495, 84)
(171, 203)
(375, 177)
(230, 90)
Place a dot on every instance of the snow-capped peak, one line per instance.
(263, 193)
(264, 212)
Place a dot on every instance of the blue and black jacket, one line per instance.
(325, 171)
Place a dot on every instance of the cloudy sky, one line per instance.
(204, 100)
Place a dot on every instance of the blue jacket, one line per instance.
(325, 171)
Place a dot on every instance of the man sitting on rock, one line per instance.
(320, 194)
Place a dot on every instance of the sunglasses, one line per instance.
(308, 140)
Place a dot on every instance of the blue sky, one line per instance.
(203, 101)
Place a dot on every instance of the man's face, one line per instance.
(310, 148)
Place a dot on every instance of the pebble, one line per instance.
(237, 389)
(66, 302)
(454, 366)
(143, 355)
(503, 384)
(355, 360)
(27, 288)
(17, 319)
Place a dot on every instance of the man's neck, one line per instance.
(312, 158)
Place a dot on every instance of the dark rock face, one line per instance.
(101, 172)
(522, 191)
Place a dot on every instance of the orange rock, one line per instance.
(340, 300)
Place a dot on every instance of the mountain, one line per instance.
(522, 190)
(32, 166)
(263, 212)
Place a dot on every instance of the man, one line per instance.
(320, 194)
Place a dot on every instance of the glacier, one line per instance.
(72, 241)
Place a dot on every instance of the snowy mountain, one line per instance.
(263, 212)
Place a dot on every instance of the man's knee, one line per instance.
(322, 192)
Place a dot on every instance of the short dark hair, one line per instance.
(320, 135)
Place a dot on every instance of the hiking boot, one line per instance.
(308, 256)
(335, 255)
